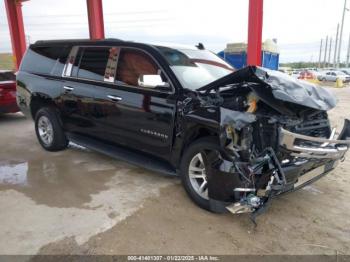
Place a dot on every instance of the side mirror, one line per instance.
(152, 81)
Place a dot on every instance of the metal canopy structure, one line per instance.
(15, 21)
(95, 17)
(255, 25)
(96, 27)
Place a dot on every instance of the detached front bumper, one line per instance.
(248, 187)
(314, 157)
(308, 147)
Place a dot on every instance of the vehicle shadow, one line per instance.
(12, 117)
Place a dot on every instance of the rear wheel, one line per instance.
(49, 130)
(193, 169)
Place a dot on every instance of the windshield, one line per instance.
(195, 68)
(340, 73)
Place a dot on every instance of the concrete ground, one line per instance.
(80, 202)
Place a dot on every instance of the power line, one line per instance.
(107, 22)
(84, 14)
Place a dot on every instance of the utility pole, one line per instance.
(348, 55)
(325, 53)
(341, 34)
(319, 57)
(329, 52)
(335, 47)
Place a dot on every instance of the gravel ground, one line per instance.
(79, 202)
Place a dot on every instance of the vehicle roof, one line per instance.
(77, 41)
(108, 41)
(174, 45)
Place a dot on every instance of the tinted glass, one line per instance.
(132, 64)
(112, 64)
(45, 59)
(93, 63)
(76, 58)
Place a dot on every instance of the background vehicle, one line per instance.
(346, 71)
(8, 92)
(295, 74)
(236, 138)
(308, 74)
(333, 76)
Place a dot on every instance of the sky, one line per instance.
(298, 25)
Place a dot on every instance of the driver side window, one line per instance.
(133, 65)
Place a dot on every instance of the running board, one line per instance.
(124, 154)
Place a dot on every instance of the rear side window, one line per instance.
(93, 62)
(48, 60)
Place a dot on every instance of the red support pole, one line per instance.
(95, 16)
(15, 21)
(255, 24)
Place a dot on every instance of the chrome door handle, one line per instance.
(68, 88)
(114, 98)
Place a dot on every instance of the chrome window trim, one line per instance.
(114, 85)
(68, 67)
(74, 51)
(112, 80)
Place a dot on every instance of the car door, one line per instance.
(83, 75)
(138, 117)
(333, 76)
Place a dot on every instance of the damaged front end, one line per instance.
(267, 149)
(246, 181)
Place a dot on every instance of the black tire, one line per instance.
(324, 79)
(58, 140)
(205, 144)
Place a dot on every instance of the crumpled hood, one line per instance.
(282, 86)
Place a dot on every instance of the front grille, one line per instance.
(315, 124)
(265, 135)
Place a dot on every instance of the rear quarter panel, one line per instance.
(31, 85)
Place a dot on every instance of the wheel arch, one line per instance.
(39, 100)
(192, 134)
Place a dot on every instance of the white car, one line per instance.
(295, 74)
(346, 71)
(333, 76)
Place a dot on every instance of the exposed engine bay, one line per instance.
(269, 141)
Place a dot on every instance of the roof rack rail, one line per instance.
(53, 41)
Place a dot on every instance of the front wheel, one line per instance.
(49, 130)
(193, 170)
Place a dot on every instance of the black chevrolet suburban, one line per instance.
(237, 138)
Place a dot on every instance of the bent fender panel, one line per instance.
(188, 122)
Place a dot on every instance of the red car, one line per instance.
(307, 75)
(8, 102)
